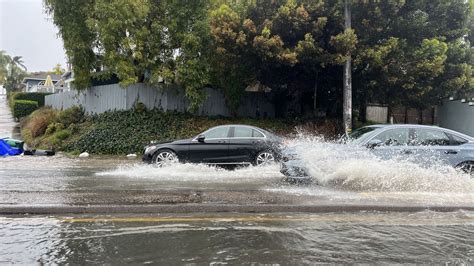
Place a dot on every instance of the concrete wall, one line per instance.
(457, 116)
(104, 98)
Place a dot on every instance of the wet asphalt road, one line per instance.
(60, 184)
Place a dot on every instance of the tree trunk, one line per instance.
(347, 79)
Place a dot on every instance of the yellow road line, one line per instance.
(250, 219)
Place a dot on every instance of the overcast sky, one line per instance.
(25, 30)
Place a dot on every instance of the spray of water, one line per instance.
(198, 173)
(333, 165)
(351, 167)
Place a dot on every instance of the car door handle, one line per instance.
(451, 152)
(407, 152)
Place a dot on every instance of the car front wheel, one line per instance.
(164, 158)
(467, 167)
(264, 158)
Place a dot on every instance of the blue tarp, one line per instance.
(6, 150)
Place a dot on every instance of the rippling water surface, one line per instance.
(285, 238)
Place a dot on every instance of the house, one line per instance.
(68, 78)
(35, 82)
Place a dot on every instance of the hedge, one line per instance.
(22, 108)
(31, 96)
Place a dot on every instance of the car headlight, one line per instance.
(150, 148)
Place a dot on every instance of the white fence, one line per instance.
(458, 115)
(104, 98)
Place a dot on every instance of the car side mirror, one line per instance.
(374, 143)
(201, 138)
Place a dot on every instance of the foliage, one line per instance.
(58, 69)
(138, 40)
(12, 71)
(404, 52)
(37, 123)
(73, 115)
(412, 52)
(123, 132)
(22, 108)
(38, 97)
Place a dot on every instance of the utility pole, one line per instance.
(347, 76)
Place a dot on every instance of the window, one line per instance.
(430, 137)
(242, 132)
(394, 137)
(361, 132)
(257, 134)
(457, 140)
(217, 133)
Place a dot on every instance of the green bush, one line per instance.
(22, 108)
(53, 127)
(73, 115)
(31, 96)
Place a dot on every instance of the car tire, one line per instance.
(164, 157)
(264, 158)
(466, 167)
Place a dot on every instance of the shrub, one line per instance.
(73, 115)
(31, 96)
(62, 134)
(22, 108)
(53, 127)
(37, 123)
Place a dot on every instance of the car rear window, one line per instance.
(457, 140)
(242, 132)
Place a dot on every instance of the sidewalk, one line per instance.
(8, 126)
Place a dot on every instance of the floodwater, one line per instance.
(287, 239)
(343, 176)
(221, 238)
(8, 126)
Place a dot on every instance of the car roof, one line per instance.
(421, 126)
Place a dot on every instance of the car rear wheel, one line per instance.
(264, 158)
(164, 158)
(467, 167)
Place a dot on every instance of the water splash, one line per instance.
(197, 172)
(351, 167)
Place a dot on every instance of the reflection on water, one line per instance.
(425, 237)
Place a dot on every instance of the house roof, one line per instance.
(41, 76)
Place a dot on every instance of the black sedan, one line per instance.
(221, 145)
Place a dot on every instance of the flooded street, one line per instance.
(424, 237)
(98, 210)
(56, 210)
(8, 126)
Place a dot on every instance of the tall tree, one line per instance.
(16, 70)
(147, 41)
(4, 60)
